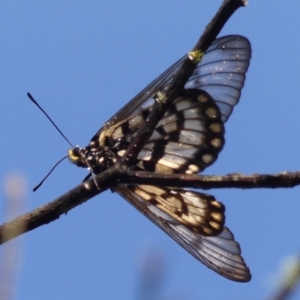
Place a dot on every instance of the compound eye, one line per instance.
(76, 151)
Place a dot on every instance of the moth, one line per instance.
(186, 140)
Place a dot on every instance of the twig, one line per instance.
(235, 180)
(113, 176)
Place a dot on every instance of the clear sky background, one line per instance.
(83, 60)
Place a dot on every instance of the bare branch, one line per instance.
(113, 176)
(235, 180)
(53, 210)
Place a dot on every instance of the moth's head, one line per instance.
(90, 157)
(77, 156)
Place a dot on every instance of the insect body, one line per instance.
(187, 139)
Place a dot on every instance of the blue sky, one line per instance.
(83, 60)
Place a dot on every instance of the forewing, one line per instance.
(221, 73)
(190, 135)
(220, 253)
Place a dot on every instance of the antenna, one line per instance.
(42, 110)
(38, 186)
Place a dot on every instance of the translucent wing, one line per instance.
(221, 73)
(220, 253)
(190, 135)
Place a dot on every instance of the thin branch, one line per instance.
(51, 211)
(205, 182)
(109, 178)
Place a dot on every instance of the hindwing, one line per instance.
(220, 253)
